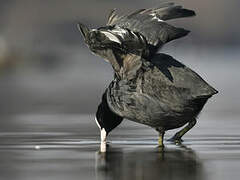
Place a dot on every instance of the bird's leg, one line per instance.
(161, 137)
(177, 137)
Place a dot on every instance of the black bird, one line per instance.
(148, 88)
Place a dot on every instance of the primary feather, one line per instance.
(151, 23)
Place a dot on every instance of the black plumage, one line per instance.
(148, 88)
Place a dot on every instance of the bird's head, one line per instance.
(106, 119)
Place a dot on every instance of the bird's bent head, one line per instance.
(106, 119)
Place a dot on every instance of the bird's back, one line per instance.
(164, 91)
(167, 72)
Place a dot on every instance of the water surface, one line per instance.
(67, 147)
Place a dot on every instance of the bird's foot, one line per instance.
(176, 140)
(160, 147)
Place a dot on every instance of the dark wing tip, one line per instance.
(182, 32)
(215, 91)
(172, 11)
(79, 26)
(188, 12)
(177, 33)
(83, 29)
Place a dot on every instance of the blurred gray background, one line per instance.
(51, 85)
(45, 68)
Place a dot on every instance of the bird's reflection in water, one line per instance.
(148, 163)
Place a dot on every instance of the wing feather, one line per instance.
(151, 23)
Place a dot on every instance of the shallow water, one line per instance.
(67, 147)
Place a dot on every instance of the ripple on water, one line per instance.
(47, 140)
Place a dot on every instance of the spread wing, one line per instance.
(127, 40)
(151, 23)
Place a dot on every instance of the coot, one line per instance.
(148, 87)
